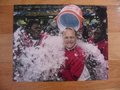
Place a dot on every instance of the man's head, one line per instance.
(69, 38)
(97, 34)
(34, 29)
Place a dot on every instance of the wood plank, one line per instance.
(83, 2)
(6, 47)
(114, 45)
(113, 21)
(6, 20)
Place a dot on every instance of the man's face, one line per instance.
(69, 38)
(35, 31)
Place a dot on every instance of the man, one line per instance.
(100, 39)
(33, 33)
(74, 64)
(34, 30)
(30, 37)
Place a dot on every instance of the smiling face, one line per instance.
(69, 38)
(35, 31)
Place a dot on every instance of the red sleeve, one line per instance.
(104, 49)
(105, 52)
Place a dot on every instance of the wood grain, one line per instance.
(82, 2)
(6, 27)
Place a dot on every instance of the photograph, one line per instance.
(60, 42)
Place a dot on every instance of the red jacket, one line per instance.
(103, 47)
(74, 64)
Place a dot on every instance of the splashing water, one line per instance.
(42, 63)
(93, 55)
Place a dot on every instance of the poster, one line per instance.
(60, 43)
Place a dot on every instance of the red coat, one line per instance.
(74, 64)
(103, 47)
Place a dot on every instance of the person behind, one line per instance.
(74, 63)
(100, 39)
(52, 28)
(34, 29)
(24, 38)
(30, 36)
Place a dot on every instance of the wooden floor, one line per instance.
(6, 27)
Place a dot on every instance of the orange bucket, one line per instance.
(70, 16)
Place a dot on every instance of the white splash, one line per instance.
(42, 63)
(92, 53)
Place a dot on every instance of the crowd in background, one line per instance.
(95, 18)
